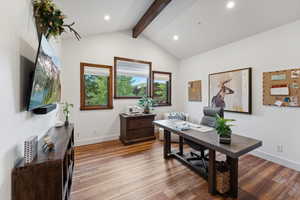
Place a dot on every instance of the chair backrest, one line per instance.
(210, 114)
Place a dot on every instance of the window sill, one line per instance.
(96, 108)
(163, 105)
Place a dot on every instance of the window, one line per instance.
(161, 88)
(96, 87)
(132, 78)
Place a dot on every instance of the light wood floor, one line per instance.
(111, 171)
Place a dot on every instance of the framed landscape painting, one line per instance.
(231, 90)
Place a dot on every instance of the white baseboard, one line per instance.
(96, 140)
(277, 159)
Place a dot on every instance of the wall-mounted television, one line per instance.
(46, 86)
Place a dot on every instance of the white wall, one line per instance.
(101, 125)
(273, 50)
(17, 38)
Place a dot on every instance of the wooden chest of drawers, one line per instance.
(136, 128)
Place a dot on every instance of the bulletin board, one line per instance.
(282, 88)
(194, 89)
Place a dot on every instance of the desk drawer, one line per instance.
(140, 123)
(140, 133)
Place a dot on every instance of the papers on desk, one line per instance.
(201, 128)
(184, 126)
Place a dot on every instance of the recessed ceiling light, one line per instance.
(175, 37)
(230, 4)
(106, 17)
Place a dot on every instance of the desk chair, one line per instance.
(209, 119)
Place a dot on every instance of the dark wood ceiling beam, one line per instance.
(154, 10)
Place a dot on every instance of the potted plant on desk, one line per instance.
(146, 103)
(224, 129)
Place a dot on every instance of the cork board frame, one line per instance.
(288, 83)
(195, 90)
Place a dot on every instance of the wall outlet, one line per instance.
(280, 148)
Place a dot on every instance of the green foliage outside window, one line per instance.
(128, 86)
(96, 90)
(160, 93)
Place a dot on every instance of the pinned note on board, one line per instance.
(279, 90)
(278, 77)
(278, 103)
(295, 74)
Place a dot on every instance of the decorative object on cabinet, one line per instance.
(48, 144)
(162, 88)
(281, 88)
(133, 110)
(50, 20)
(146, 103)
(30, 149)
(232, 90)
(49, 176)
(66, 110)
(132, 78)
(195, 91)
(136, 128)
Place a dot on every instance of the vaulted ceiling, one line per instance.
(201, 25)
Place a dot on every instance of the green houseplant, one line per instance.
(66, 110)
(50, 19)
(224, 129)
(146, 103)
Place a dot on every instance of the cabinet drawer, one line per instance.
(140, 123)
(140, 133)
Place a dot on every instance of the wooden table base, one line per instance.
(211, 176)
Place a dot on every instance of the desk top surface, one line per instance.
(137, 115)
(239, 146)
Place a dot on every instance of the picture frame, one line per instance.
(195, 91)
(137, 71)
(231, 90)
(281, 88)
(159, 78)
(95, 69)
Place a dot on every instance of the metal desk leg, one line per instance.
(167, 143)
(234, 169)
(180, 145)
(212, 172)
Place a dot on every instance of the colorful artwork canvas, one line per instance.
(231, 90)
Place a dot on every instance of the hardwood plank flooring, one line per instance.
(112, 171)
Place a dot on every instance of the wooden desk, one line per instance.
(240, 145)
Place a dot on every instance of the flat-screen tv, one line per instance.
(46, 87)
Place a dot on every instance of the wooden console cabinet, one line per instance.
(136, 128)
(49, 176)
